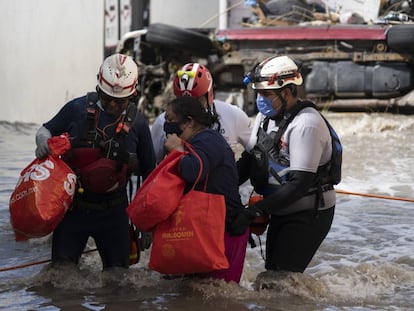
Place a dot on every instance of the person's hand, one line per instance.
(146, 240)
(240, 224)
(42, 150)
(42, 147)
(242, 221)
(172, 141)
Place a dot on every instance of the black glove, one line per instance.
(146, 240)
(243, 219)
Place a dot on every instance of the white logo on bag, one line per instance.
(37, 172)
(70, 184)
(21, 195)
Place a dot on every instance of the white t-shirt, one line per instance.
(235, 128)
(306, 143)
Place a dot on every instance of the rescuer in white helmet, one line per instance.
(294, 165)
(108, 137)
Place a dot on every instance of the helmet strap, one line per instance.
(215, 116)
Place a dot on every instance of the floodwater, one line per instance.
(365, 263)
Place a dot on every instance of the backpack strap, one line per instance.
(287, 118)
(92, 115)
(130, 115)
(87, 133)
(122, 131)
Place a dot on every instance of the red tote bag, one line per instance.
(159, 195)
(192, 239)
(43, 193)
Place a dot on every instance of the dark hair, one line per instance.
(187, 106)
(293, 89)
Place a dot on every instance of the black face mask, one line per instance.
(172, 128)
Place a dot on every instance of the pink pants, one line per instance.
(235, 250)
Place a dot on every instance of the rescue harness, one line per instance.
(102, 165)
(266, 154)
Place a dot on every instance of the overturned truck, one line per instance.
(345, 67)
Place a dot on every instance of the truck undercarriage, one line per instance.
(345, 67)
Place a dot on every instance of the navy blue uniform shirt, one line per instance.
(220, 166)
(72, 119)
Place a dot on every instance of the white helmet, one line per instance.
(276, 72)
(118, 76)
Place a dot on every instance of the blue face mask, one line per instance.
(172, 128)
(264, 105)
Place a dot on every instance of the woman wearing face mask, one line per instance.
(195, 80)
(289, 166)
(187, 120)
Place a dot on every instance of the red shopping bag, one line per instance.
(192, 239)
(43, 193)
(159, 195)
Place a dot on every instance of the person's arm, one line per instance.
(190, 163)
(158, 137)
(243, 167)
(297, 186)
(244, 162)
(255, 128)
(56, 126)
(72, 112)
(42, 146)
(145, 149)
(306, 145)
(244, 128)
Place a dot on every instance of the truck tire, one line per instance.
(179, 38)
(400, 38)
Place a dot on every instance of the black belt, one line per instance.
(322, 188)
(327, 187)
(320, 201)
(99, 206)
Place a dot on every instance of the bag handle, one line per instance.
(190, 147)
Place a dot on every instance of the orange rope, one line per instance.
(374, 196)
(337, 191)
(36, 262)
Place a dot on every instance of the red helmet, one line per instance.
(194, 80)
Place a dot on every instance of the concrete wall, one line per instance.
(198, 13)
(184, 13)
(51, 49)
(50, 53)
